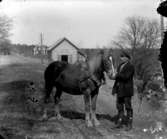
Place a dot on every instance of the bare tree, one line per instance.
(140, 36)
(5, 27)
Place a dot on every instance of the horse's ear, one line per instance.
(105, 52)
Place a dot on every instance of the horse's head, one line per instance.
(107, 61)
(100, 63)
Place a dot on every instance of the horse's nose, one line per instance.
(33, 89)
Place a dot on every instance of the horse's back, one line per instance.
(76, 71)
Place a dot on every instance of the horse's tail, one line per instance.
(48, 85)
(50, 75)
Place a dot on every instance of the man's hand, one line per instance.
(112, 76)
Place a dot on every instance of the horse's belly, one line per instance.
(70, 86)
(71, 90)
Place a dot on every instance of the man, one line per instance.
(123, 88)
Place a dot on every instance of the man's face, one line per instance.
(124, 59)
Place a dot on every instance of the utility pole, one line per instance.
(41, 45)
(41, 39)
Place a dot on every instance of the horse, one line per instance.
(84, 78)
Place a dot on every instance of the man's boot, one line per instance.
(129, 124)
(119, 123)
(129, 119)
(120, 107)
(115, 118)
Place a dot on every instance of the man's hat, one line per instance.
(125, 54)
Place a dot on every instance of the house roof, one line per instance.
(61, 41)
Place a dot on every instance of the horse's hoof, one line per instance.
(89, 124)
(53, 118)
(96, 122)
(59, 117)
(43, 118)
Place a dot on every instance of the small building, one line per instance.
(65, 50)
(38, 49)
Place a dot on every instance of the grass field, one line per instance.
(19, 117)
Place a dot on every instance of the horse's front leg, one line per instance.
(44, 116)
(94, 100)
(87, 100)
(57, 111)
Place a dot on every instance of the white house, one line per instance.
(65, 50)
(40, 50)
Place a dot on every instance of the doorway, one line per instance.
(64, 58)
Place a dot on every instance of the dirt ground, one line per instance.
(20, 116)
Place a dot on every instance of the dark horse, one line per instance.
(83, 78)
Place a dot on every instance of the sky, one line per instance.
(86, 23)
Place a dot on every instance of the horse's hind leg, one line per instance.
(94, 100)
(87, 99)
(57, 101)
